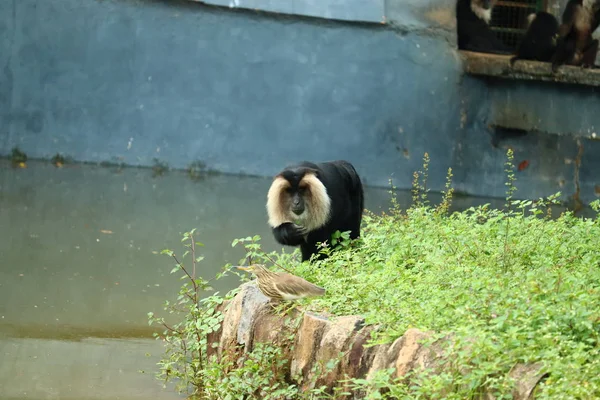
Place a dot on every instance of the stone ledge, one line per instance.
(248, 319)
(344, 10)
(499, 66)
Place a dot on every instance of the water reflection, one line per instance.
(79, 269)
(88, 369)
(78, 260)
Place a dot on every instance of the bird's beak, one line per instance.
(243, 268)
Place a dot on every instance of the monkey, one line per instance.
(575, 45)
(308, 202)
(539, 42)
(472, 27)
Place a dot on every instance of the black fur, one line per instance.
(345, 190)
(539, 42)
(474, 33)
(574, 46)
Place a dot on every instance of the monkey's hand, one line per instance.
(290, 234)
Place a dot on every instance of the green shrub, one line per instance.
(512, 286)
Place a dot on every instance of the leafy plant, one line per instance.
(58, 160)
(159, 168)
(518, 285)
(260, 375)
(18, 158)
(186, 341)
(198, 170)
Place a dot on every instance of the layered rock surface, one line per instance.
(323, 350)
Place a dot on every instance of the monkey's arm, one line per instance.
(568, 20)
(564, 30)
(289, 234)
(563, 49)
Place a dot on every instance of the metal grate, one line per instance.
(509, 19)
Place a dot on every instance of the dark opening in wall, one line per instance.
(509, 19)
(500, 134)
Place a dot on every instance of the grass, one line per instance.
(517, 285)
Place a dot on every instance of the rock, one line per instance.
(229, 326)
(275, 329)
(239, 316)
(213, 339)
(322, 351)
(526, 377)
(252, 301)
(307, 342)
(412, 353)
(334, 342)
(358, 358)
(385, 356)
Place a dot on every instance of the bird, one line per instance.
(279, 286)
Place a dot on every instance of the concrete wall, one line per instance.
(246, 92)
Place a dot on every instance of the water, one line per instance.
(79, 269)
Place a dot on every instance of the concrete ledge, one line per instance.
(499, 66)
(345, 10)
(317, 340)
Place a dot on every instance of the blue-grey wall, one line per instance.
(247, 92)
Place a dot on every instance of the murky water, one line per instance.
(79, 269)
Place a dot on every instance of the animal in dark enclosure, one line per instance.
(575, 45)
(473, 27)
(539, 42)
(308, 202)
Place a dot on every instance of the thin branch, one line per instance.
(171, 329)
(193, 256)
(276, 263)
(183, 269)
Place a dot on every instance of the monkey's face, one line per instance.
(297, 192)
(296, 200)
(294, 192)
(297, 195)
